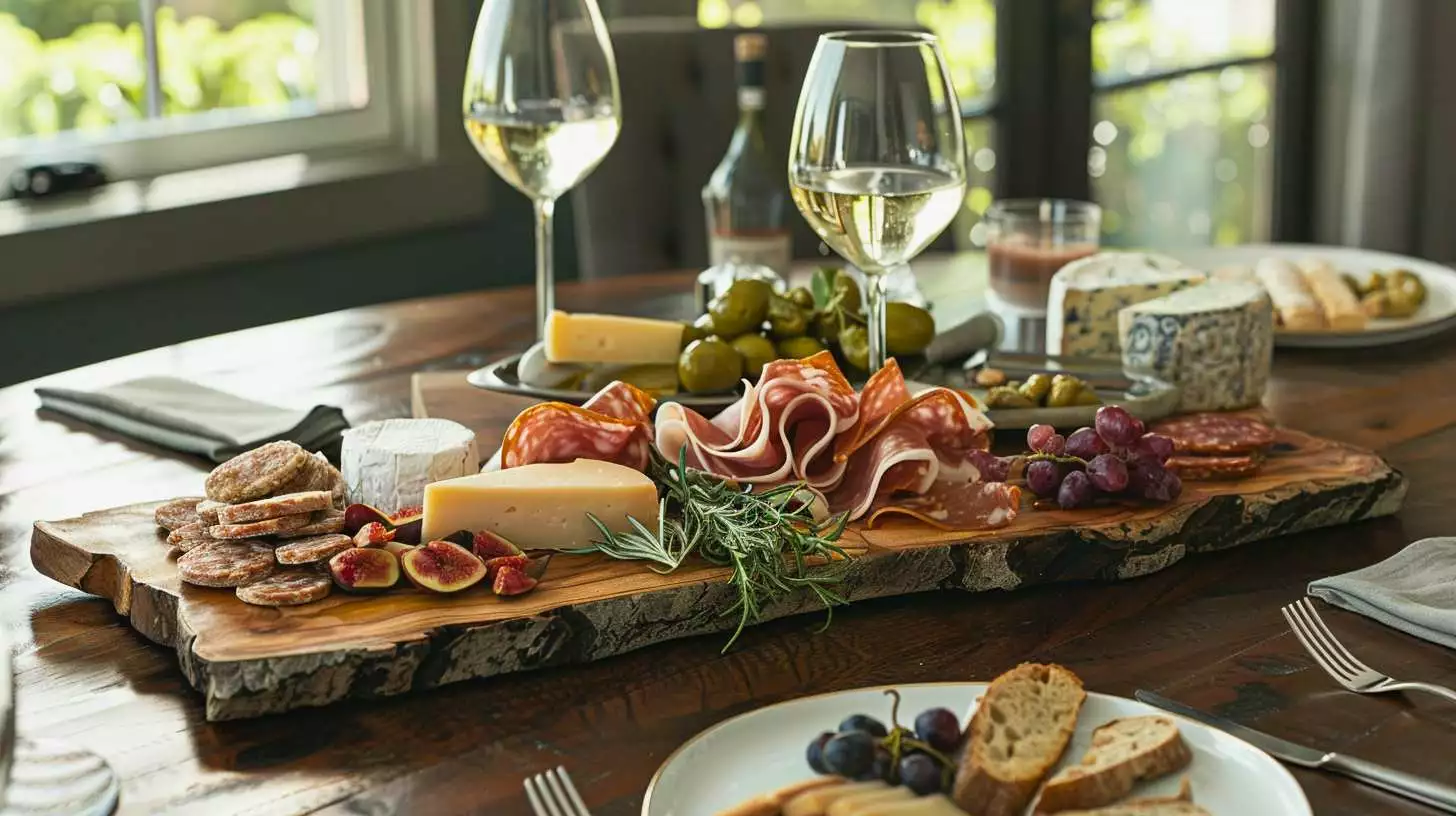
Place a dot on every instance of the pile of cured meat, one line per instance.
(872, 454)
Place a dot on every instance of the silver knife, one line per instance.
(1441, 797)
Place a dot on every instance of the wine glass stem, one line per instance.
(545, 274)
(878, 286)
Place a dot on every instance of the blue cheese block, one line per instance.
(1215, 342)
(1087, 294)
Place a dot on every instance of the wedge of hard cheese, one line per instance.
(598, 338)
(1123, 753)
(543, 506)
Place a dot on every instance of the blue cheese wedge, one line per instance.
(1087, 294)
(1215, 342)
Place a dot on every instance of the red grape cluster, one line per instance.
(1115, 457)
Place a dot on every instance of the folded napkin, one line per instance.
(1413, 591)
(185, 416)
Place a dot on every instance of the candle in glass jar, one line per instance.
(1030, 239)
(1021, 273)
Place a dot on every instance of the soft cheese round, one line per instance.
(1087, 294)
(388, 463)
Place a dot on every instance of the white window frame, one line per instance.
(158, 146)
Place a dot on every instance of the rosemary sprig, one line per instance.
(766, 538)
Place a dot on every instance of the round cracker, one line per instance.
(177, 513)
(257, 529)
(226, 563)
(313, 549)
(188, 536)
(288, 504)
(287, 588)
(322, 523)
(207, 511)
(255, 473)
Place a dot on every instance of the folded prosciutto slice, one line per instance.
(615, 425)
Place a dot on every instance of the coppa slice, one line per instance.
(226, 563)
(1019, 731)
(1123, 753)
(290, 504)
(287, 588)
(256, 473)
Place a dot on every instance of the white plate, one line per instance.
(763, 750)
(1437, 314)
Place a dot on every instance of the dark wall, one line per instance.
(51, 336)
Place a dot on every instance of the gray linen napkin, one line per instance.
(1413, 591)
(185, 416)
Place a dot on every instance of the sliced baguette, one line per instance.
(1123, 753)
(1018, 733)
(1180, 805)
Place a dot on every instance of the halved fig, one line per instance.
(409, 530)
(510, 580)
(407, 513)
(490, 545)
(358, 515)
(397, 548)
(364, 570)
(460, 538)
(441, 566)
(493, 565)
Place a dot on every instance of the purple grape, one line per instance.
(883, 768)
(939, 728)
(991, 467)
(1116, 426)
(1154, 482)
(850, 754)
(1084, 443)
(920, 774)
(1043, 477)
(1056, 445)
(1037, 436)
(1107, 473)
(1076, 491)
(1152, 447)
(815, 752)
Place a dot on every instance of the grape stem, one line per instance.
(897, 741)
(1061, 460)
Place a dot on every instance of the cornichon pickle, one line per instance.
(1036, 388)
(1004, 397)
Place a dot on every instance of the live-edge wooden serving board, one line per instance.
(249, 661)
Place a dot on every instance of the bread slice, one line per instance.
(1180, 805)
(1018, 733)
(1123, 753)
(769, 804)
(934, 805)
(816, 802)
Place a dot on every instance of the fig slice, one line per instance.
(364, 570)
(398, 548)
(409, 530)
(358, 515)
(441, 566)
(373, 534)
(493, 565)
(511, 580)
(489, 545)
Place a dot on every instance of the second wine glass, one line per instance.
(877, 157)
(542, 106)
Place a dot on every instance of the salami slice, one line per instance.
(226, 563)
(323, 522)
(1213, 468)
(1213, 433)
(177, 513)
(289, 504)
(313, 549)
(254, 529)
(613, 426)
(952, 421)
(955, 506)
(256, 473)
(207, 511)
(287, 588)
(188, 536)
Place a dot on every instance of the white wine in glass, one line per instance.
(542, 106)
(877, 157)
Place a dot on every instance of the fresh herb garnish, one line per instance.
(766, 537)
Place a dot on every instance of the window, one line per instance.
(1163, 111)
(147, 87)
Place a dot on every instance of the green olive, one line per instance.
(785, 319)
(1408, 284)
(692, 331)
(854, 346)
(1064, 391)
(825, 325)
(908, 328)
(1087, 396)
(1036, 388)
(846, 291)
(741, 309)
(802, 298)
(797, 348)
(1003, 397)
(756, 350)
(1400, 303)
(709, 365)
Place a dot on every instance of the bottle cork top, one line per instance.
(750, 46)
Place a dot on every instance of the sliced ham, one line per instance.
(615, 425)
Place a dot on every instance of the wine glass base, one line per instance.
(56, 778)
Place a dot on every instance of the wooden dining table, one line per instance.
(1206, 631)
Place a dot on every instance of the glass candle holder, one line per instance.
(1028, 240)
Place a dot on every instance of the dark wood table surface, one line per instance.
(1206, 631)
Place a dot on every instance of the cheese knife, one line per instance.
(1439, 796)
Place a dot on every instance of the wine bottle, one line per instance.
(746, 198)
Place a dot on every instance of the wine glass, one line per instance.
(542, 106)
(877, 157)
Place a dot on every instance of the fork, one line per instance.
(553, 794)
(1332, 656)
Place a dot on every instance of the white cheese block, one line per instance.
(388, 463)
(1215, 342)
(543, 506)
(1087, 294)
(598, 338)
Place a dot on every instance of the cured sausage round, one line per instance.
(612, 426)
(1217, 434)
